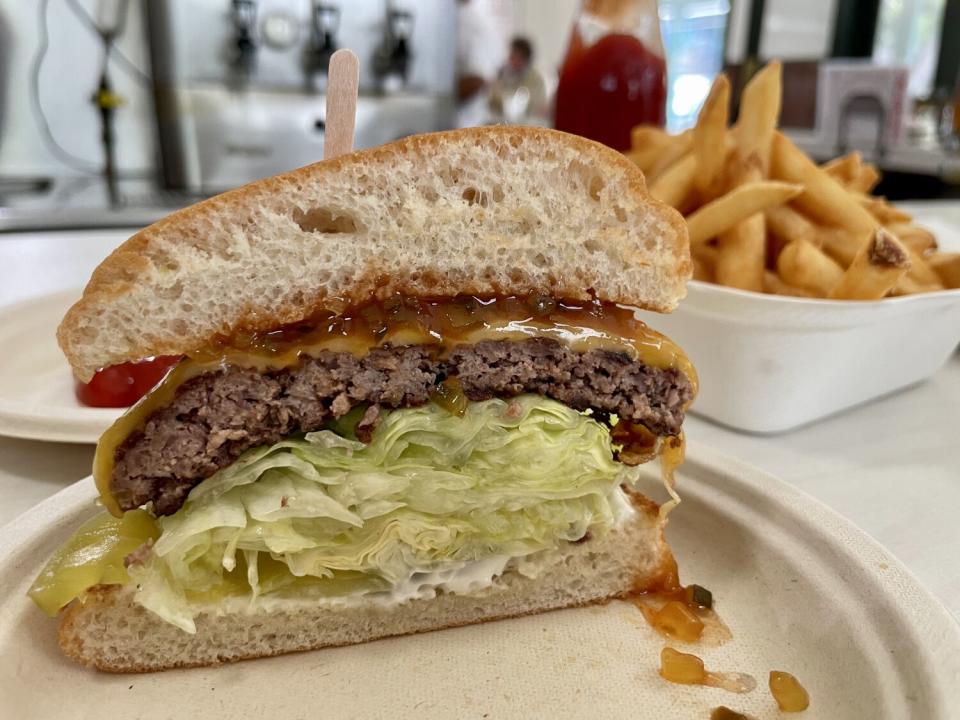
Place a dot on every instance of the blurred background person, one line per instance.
(519, 92)
(480, 53)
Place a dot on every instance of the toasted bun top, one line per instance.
(499, 210)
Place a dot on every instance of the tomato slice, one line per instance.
(122, 385)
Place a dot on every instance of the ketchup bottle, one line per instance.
(613, 76)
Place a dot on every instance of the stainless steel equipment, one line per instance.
(239, 83)
(324, 23)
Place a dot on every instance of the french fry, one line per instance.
(706, 253)
(786, 222)
(759, 113)
(643, 136)
(701, 270)
(844, 169)
(884, 212)
(878, 266)
(921, 272)
(947, 266)
(742, 248)
(721, 214)
(704, 262)
(742, 253)
(710, 138)
(649, 143)
(674, 152)
(784, 225)
(673, 186)
(761, 215)
(842, 244)
(774, 284)
(850, 171)
(923, 245)
(643, 158)
(867, 179)
(775, 244)
(823, 198)
(918, 239)
(804, 265)
(907, 286)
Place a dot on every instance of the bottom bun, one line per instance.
(110, 632)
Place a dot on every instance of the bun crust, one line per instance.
(110, 632)
(500, 210)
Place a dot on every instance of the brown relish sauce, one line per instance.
(404, 320)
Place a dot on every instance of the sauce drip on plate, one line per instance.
(686, 669)
(725, 713)
(790, 695)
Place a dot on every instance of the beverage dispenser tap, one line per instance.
(391, 61)
(324, 23)
(110, 21)
(244, 51)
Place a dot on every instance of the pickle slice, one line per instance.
(93, 556)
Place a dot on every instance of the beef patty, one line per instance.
(217, 416)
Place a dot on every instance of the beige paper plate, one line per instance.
(36, 386)
(800, 587)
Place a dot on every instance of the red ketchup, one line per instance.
(122, 385)
(609, 86)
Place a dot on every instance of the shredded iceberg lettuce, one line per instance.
(431, 493)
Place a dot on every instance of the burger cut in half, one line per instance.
(413, 395)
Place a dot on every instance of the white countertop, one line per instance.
(891, 466)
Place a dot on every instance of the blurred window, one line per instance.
(693, 36)
(908, 33)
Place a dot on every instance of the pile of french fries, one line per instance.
(762, 216)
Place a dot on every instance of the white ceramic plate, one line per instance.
(36, 385)
(801, 588)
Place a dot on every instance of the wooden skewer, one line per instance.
(343, 78)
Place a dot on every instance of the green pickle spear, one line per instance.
(93, 556)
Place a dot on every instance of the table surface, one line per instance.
(891, 466)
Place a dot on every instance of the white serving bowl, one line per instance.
(769, 363)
